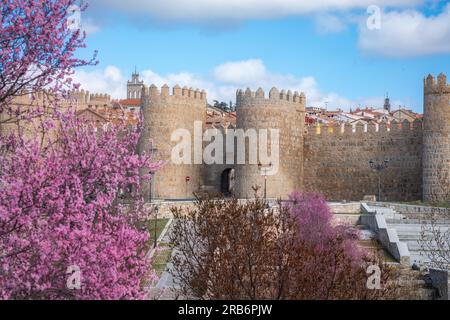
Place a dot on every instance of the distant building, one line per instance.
(216, 118)
(134, 87)
(131, 104)
(404, 114)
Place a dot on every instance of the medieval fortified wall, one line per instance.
(337, 161)
(331, 160)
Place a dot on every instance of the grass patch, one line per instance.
(150, 226)
(160, 224)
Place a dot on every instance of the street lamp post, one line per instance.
(152, 176)
(378, 167)
(264, 171)
(187, 179)
(156, 226)
(153, 150)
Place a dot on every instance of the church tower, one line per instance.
(134, 87)
(387, 104)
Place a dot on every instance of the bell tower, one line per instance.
(387, 103)
(134, 87)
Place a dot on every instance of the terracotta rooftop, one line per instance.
(130, 102)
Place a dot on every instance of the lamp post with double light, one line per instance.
(153, 151)
(264, 170)
(379, 167)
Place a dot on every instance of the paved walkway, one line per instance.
(164, 288)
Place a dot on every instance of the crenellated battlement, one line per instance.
(84, 97)
(76, 98)
(258, 97)
(392, 128)
(177, 92)
(40, 97)
(81, 96)
(436, 86)
(100, 97)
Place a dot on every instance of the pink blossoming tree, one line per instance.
(59, 207)
(37, 46)
(61, 202)
(314, 221)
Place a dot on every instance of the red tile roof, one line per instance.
(130, 102)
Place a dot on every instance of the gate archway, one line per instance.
(227, 182)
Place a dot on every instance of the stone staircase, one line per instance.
(412, 285)
(409, 232)
(388, 213)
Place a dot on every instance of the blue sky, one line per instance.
(326, 50)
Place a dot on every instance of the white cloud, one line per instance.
(213, 10)
(226, 79)
(254, 74)
(110, 80)
(329, 23)
(240, 72)
(407, 33)
(89, 26)
(182, 79)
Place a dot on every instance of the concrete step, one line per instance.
(419, 260)
(415, 227)
(412, 237)
(417, 250)
(415, 245)
(381, 209)
(415, 221)
(409, 237)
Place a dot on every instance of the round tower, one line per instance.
(436, 139)
(171, 115)
(280, 118)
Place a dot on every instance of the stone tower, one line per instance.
(285, 112)
(164, 113)
(436, 139)
(134, 87)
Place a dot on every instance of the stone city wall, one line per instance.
(336, 161)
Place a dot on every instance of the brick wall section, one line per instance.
(336, 161)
